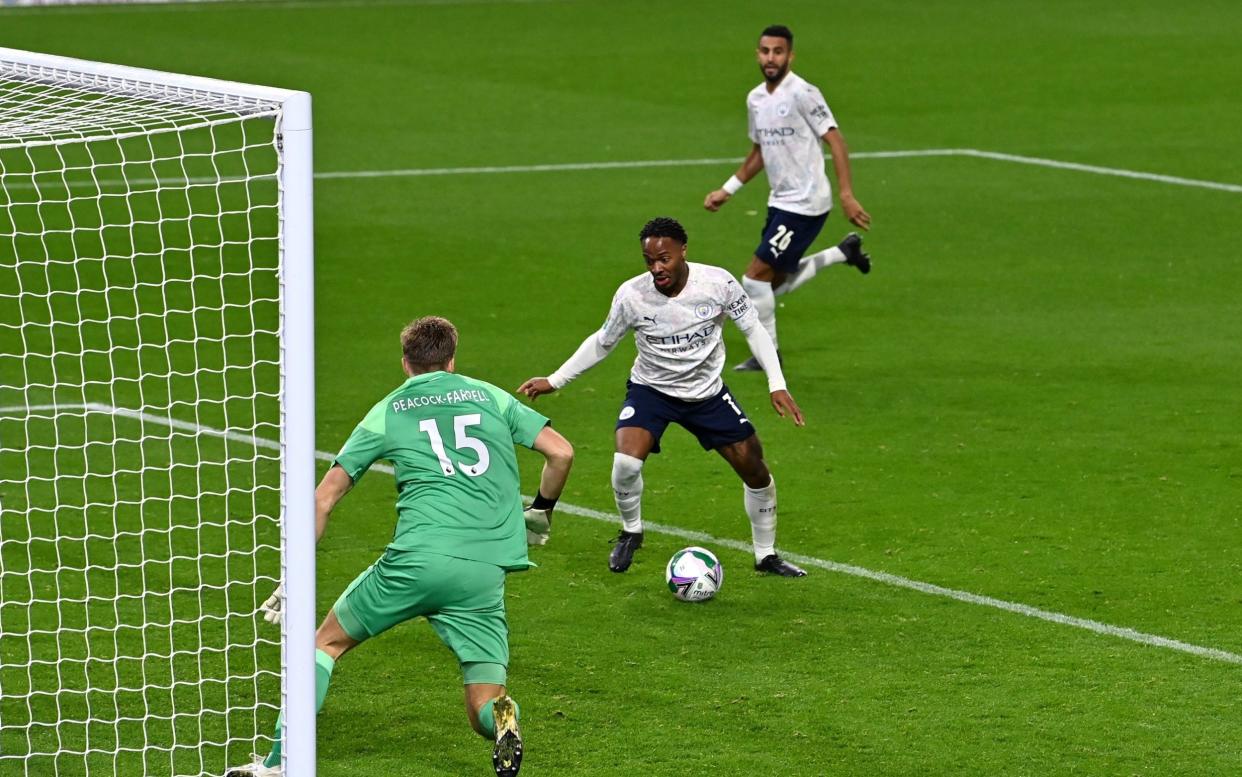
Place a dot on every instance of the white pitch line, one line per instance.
(640, 164)
(420, 172)
(1118, 172)
(1120, 632)
(414, 172)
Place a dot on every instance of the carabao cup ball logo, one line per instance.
(694, 574)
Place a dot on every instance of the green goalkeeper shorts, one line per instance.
(464, 601)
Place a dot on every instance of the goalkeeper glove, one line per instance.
(274, 608)
(538, 525)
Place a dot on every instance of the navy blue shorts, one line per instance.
(786, 236)
(715, 421)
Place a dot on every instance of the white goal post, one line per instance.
(156, 421)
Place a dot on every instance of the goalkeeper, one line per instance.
(460, 528)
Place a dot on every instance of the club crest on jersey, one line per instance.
(704, 310)
(782, 110)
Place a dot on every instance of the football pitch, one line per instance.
(1019, 489)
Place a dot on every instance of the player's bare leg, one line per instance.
(494, 715)
(634, 444)
(759, 496)
(760, 282)
(331, 638)
(848, 251)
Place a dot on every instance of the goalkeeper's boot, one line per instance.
(774, 564)
(255, 769)
(622, 554)
(507, 754)
(851, 246)
(752, 364)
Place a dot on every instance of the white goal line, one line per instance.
(1120, 632)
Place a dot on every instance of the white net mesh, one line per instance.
(140, 388)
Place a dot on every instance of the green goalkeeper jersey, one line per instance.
(450, 439)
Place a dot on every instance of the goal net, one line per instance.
(156, 443)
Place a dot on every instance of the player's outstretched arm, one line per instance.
(750, 167)
(558, 458)
(590, 353)
(845, 185)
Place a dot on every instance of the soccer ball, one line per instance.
(694, 574)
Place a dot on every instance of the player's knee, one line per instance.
(758, 477)
(331, 637)
(758, 270)
(753, 452)
(334, 646)
(746, 458)
(753, 472)
(626, 471)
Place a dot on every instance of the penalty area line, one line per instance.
(931, 589)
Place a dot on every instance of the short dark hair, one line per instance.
(428, 343)
(778, 31)
(663, 226)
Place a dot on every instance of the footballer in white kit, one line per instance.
(788, 120)
(677, 310)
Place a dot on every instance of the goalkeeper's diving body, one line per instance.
(677, 310)
(460, 527)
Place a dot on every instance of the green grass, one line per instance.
(1032, 397)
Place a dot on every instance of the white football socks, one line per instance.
(761, 509)
(760, 293)
(627, 487)
(809, 266)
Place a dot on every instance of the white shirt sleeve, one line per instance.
(589, 354)
(742, 311)
(761, 346)
(617, 323)
(814, 108)
(597, 345)
(751, 132)
(738, 306)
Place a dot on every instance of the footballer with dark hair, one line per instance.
(677, 310)
(789, 122)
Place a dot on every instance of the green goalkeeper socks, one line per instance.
(324, 664)
(487, 716)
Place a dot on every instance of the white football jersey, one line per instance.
(680, 345)
(789, 126)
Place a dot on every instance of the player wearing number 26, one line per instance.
(677, 310)
(788, 119)
(460, 525)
